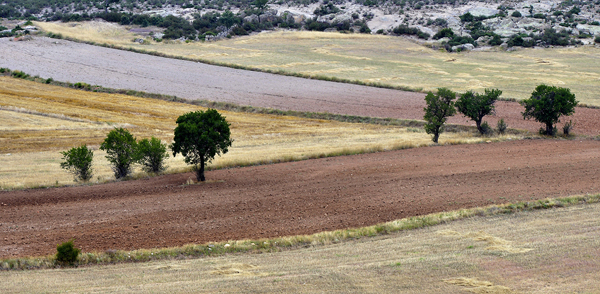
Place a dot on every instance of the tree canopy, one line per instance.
(439, 107)
(547, 104)
(199, 137)
(475, 106)
(121, 148)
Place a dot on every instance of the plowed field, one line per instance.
(294, 198)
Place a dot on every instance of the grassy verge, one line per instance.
(292, 242)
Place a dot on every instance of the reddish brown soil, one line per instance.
(294, 198)
(69, 61)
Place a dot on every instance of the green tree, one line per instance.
(547, 104)
(228, 18)
(199, 136)
(476, 106)
(121, 148)
(151, 154)
(260, 4)
(440, 106)
(78, 161)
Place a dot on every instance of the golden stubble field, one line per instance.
(375, 58)
(543, 251)
(39, 121)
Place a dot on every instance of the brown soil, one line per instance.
(68, 61)
(294, 198)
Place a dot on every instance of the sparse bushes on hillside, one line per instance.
(406, 30)
(440, 106)
(78, 161)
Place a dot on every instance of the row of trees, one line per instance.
(199, 137)
(546, 105)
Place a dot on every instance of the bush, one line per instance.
(516, 13)
(597, 40)
(78, 161)
(486, 130)
(444, 33)
(501, 126)
(67, 253)
(151, 154)
(121, 149)
(406, 30)
(568, 127)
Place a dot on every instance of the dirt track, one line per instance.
(68, 61)
(294, 198)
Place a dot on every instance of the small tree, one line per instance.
(78, 161)
(476, 106)
(547, 104)
(199, 136)
(120, 147)
(439, 107)
(151, 154)
(67, 253)
(260, 4)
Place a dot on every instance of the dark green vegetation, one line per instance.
(151, 154)
(440, 106)
(547, 104)
(78, 161)
(67, 253)
(121, 148)
(475, 106)
(199, 136)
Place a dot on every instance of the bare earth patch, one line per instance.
(68, 61)
(297, 198)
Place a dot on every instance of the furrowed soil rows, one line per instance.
(75, 62)
(294, 198)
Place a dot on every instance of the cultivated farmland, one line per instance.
(40, 120)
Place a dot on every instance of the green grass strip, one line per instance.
(292, 242)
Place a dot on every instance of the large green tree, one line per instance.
(151, 154)
(121, 148)
(439, 107)
(199, 136)
(475, 106)
(547, 104)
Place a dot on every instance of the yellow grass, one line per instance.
(378, 59)
(40, 120)
(542, 251)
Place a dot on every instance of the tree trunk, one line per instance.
(436, 136)
(200, 171)
(478, 123)
(549, 130)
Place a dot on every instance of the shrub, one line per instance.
(597, 40)
(516, 13)
(151, 154)
(547, 104)
(496, 40)
(78, 161)
(568, 127)
(440, 106)
(406, 30)
(486, 130)
(120, 147)
(67, 253)
(501, 126)
(447, 32)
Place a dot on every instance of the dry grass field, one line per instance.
(379, 59)
(540, 251)
(39, 121)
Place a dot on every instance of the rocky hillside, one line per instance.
(455, 25)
